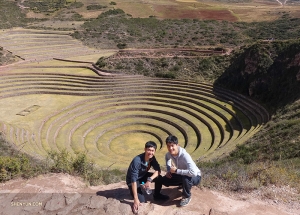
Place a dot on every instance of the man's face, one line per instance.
(149, 152)
(172, 148)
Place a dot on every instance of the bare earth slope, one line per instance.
(65, 194)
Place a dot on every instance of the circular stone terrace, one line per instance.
(73, 106)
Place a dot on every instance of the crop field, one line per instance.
(37, 46)
(49, 104)
(73, 14)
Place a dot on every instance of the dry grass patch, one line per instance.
(141, 10)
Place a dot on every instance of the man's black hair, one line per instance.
(150, 144)
(172, 139)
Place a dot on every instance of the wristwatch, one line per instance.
(176, 170)
(149, 179)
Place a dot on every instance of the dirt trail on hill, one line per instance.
(65, 194)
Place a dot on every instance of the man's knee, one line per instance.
(192, 181)
(158, 179)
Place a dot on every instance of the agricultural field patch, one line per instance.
(174, 12)
(39, 45)
(76, 11)
(212, 10)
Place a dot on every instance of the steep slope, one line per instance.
(266, 71)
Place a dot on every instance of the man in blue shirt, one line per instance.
(138, 172)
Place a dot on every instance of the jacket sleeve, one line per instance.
(190, 168)
(134, 169)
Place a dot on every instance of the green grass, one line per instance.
(66, 122)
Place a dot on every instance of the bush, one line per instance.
(95, 7)
(121, 45)
(169, 75)
(81, 166)
(62, 161)
(75, 5)
(100, 62)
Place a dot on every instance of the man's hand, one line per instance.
(147, 184)
(135, 206)
(169, 175)
(173, 169)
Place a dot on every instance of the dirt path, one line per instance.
(65, 194)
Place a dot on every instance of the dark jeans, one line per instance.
(186, 182)
(157, 188)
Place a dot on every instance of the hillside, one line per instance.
(267, 72)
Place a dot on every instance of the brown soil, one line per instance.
(174, 12)
(65, 194)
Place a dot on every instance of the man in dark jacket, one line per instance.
(138, 172)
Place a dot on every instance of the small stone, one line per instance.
(97, 202)
(71, 197)
(213, 211)
(57, 201)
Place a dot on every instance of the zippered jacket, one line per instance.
(138, 168)
(183, 162)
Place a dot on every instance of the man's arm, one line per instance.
(136, 201)
(191, 170)
(134, 171)
(155, 174)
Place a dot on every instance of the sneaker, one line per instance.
(160, 197)
(185, 201)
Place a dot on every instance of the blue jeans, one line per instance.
(186, 182)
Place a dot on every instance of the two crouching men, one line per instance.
(181, 171)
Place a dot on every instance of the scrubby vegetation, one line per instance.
(6, 57)
(95, 7)
(271, 157)
(116, 27)
(14, 163)
(199, 68)
(268, 72)
(50, 5)
(11, 15)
